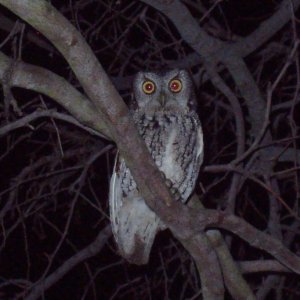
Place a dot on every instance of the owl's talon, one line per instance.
(163, 175)
(173, 191)
(177, 196)
(169, 183)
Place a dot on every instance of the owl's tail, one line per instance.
(134, 229)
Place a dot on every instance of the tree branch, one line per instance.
(46, 82)
(186, 224)
(114, 114)
(91, 250)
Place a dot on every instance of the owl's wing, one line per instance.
(199, 144)
(183, 154)
(134, 225)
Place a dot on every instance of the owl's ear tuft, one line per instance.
(192, 102)
(139, 76)
(184, 72)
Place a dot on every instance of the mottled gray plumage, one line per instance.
(164, 112)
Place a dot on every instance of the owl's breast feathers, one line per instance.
(175, 143)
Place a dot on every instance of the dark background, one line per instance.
(48, 174)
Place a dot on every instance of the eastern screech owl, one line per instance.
(164, 112)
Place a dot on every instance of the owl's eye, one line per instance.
(148, 87)
(175, 86)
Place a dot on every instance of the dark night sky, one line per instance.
(123, 47)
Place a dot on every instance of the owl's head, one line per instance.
(164, 91)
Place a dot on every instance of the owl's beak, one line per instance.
(162, 99)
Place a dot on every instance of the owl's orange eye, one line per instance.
(175, 86)
(148, 87)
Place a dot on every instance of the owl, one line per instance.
(164, 111)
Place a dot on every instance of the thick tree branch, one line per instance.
(43, 81)
(262, 266)
(234, 281)
(256, 238)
